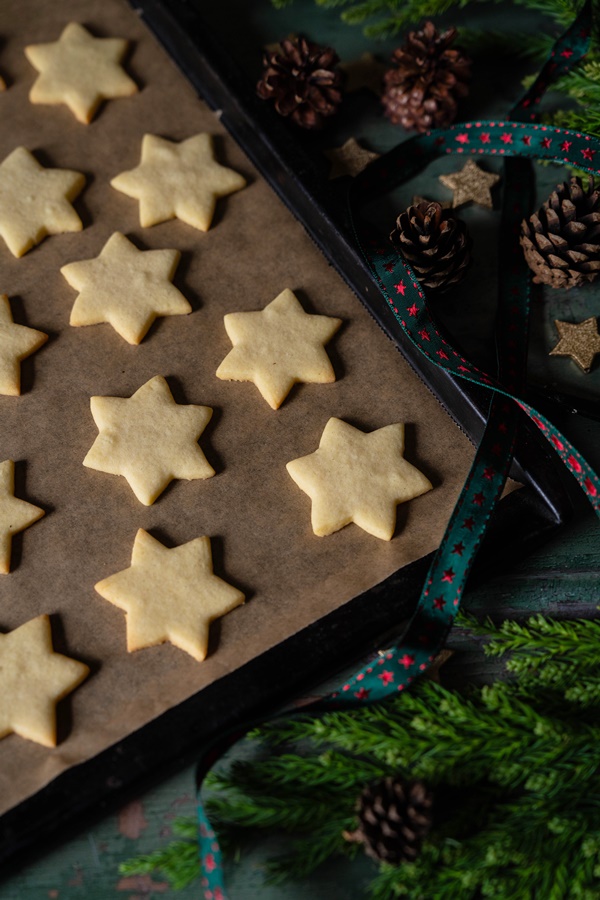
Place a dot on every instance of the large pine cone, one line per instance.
(394, 816)
(561, 242)
(435, 245)
(426, 80)
(303, 81)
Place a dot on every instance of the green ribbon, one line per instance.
(518, 141)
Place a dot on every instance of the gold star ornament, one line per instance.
(33, 678)
(126, 287)
(182, 181)
(35, 202)
(170, 595)
(471, 185)
(16, 343)
(349, 159)
(149, 439)
(80, 71)
(15, 515)
(579, 340)
(358, 477)
(277, 347)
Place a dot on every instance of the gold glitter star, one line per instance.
(471, 184)
(579, 340)
(349, 159)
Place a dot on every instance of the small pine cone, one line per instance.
(435, 245)
(394, 816)
(561, 242)
(303, 81)
(426, 80)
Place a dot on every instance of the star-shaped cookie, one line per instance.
(79, 70)
(126, 287)
(180, 181)
(277, 347)
(471, 184)
(358, 477)
(15, 514)
(35, 201)
(149, 439)
(16, 342)
(170, 594)
(579, 340)
(33, 678)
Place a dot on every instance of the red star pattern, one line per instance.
(439, 602)
(462, 138)
(469, 523)
(546, 142)
(362, 693)
(386, 676)
(506, 138)
(587, 153)
(458, 549)
(484, 137)
(526, 140)
(488, 473)
(400, 288)
(479, 498)
(413, 310)
(448, 576)
(407, 661)
(566, 146)
(424, 335)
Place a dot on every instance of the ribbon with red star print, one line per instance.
(518, 141)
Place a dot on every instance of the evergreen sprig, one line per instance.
(516, 767)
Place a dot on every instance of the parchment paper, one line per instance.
(257, 518)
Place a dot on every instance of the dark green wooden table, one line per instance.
(561, 578)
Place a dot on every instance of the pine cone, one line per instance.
(394, 817)
(561, 242)
(435, 245)
(426, 80)
(303, 81)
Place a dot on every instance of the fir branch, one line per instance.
(308, 853)
(179, 861)
(487, 43)
(231, 807)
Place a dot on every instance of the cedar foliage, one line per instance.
(515, 763)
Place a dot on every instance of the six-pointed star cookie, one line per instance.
(126, 287)
(16, 342)
(79, 70)
(15, 514)
(579, 340)
(358, 477)
(34, 201)
(170, 594)
(180, 181)
(471, 184)
(33, 678)
(149, 439)
(277, 347)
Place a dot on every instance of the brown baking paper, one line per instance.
(257, 518)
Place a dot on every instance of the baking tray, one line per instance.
(524, 518)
